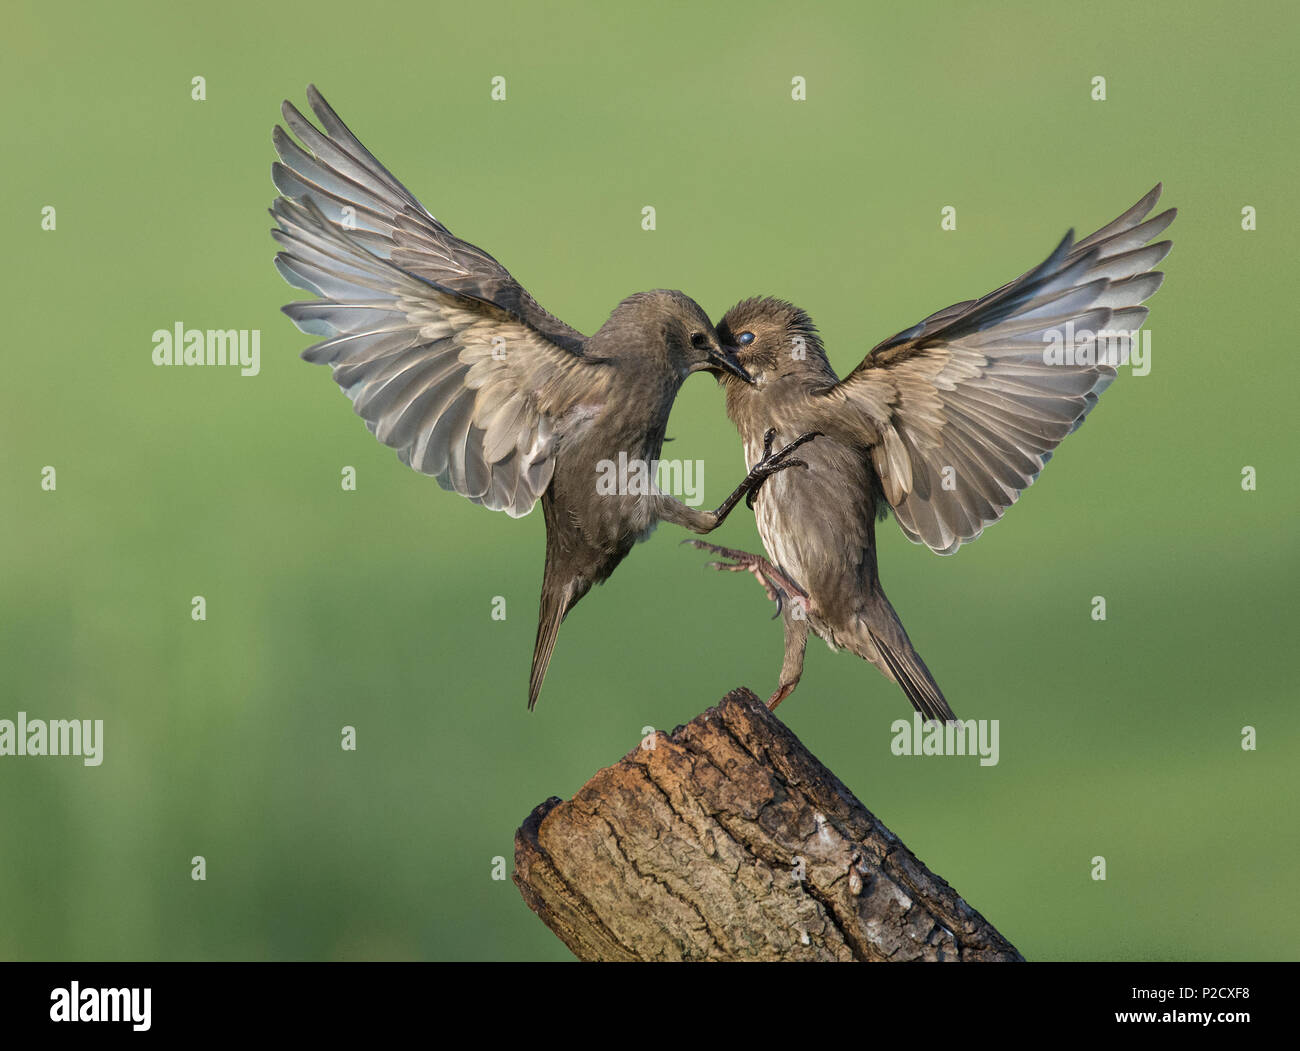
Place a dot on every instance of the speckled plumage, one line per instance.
(945, 424)
(453, 364)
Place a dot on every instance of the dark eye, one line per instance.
(745, 339)
(699, 341)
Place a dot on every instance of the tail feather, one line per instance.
(914, 677)
(902, 661)
(556, 603)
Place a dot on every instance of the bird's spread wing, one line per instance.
(443, 354)
(963, 410)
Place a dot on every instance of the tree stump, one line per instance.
(728, 840)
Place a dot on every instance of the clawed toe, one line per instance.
(776, 585)
(786, 450)
(741, 562)
(772, 462)
(725, 552)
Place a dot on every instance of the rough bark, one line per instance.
(693, 849)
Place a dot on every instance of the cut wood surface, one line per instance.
(728, 840)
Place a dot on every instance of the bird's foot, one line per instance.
(773, 462)
(783, 691)
(776, 584)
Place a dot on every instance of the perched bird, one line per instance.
(453, 364)
(945, 423)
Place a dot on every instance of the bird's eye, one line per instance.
(699, 340)
(745, 339)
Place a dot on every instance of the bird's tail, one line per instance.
(899, 658)
(557, 600)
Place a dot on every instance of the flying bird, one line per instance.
(944, 424)
(451, 362)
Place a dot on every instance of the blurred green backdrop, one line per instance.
(372, 608)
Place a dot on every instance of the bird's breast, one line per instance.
(817, 521)
(780, 535)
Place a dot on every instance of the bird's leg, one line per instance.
(670, 509)
(778, 588)
(770, 464)
(796, 642)
(747, 564)
(776, 584)
(783, 691)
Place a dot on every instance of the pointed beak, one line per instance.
(724, 360)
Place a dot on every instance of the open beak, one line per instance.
(724, 360)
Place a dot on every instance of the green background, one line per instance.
(372, 608)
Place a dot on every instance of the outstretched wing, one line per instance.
(443, 354)
(963, 410)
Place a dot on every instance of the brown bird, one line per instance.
(453, 364)
(945, 424)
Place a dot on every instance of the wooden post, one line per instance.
(728, 840)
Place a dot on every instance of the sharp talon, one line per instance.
(774, 585)
(703, 546)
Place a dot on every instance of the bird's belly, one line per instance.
(816, 523)
(780, 536)
(784, 550)
(609, 485)
(779, 539)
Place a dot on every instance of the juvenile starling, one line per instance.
(453, 364)
(945, 423)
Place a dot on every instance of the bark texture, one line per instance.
(728, 840)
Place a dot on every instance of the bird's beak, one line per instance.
(724, 360)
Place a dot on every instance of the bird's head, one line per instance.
(672, 327)
(772, 339)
